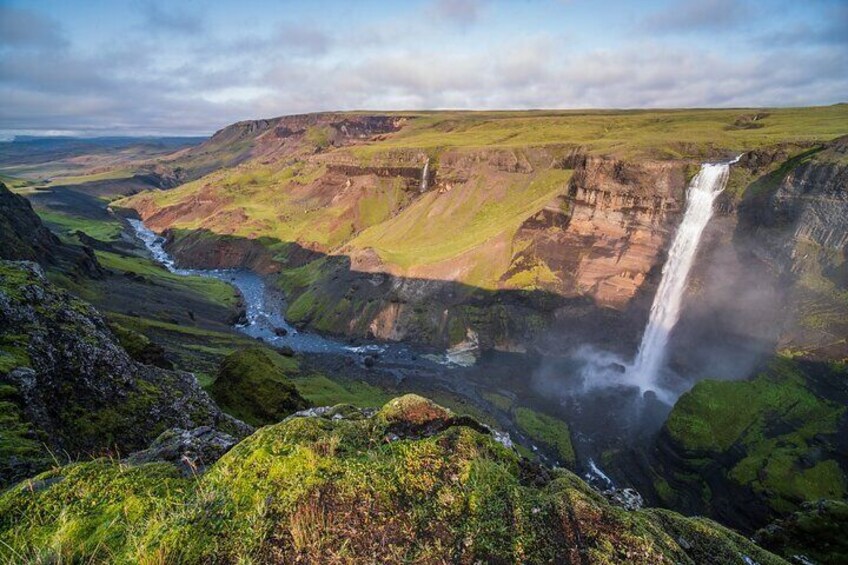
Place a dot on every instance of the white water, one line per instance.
(424, 172)
(665, 311)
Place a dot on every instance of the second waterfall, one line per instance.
(665, 310)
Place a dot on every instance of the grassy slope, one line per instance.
(440, 227)
(66, 224)
(214, 290)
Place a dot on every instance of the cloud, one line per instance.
(697, 15)
(170, 19)
(303, 39)
(832, 31)
(25, 28)
(457, 12)
(142, 84)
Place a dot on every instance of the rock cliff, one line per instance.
(24, 237)
(68, 388)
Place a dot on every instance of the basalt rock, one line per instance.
(75, 387)
(192, 451)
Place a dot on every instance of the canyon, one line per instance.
(371, 249)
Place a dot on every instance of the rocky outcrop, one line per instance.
(74, 388)
(746, 452)
(814, 534)
(24, 237)
(252, 384)
(191, 451)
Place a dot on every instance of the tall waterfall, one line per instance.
(665, 311)
(424, 173)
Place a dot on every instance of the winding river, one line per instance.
(264, 307)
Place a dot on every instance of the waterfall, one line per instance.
(424, 173)
(665, 311)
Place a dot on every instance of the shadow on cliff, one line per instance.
(328, 293)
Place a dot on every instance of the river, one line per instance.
(264, 309)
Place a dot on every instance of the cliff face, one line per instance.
(494, 244)
(66, 384)
(796, 221)
(608, 232)
(24, 237)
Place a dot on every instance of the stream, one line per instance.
(264, 307)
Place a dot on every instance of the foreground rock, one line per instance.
(68, 388)
(410, 483)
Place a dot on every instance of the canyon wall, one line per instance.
(571, 238)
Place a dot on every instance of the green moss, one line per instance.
(22, 449)
(107, 425)
(322, 391)
(12, 280)
(547, 430)
(537, 276)
(253, 385)
(335, 490)
(816, 531)
(13, 352)
(775, 424)
(500, 401)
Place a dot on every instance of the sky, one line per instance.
(190, 67)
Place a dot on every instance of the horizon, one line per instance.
(149, 68)
(8, 137)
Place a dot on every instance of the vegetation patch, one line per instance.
(547, 430)
(253, 385)
(779, 426)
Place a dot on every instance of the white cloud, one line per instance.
(142, 84)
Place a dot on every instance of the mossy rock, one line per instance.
(413, 410)
(68, 390)
(761, 447)
(341, 489)
(817, 532)
(253, 386)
